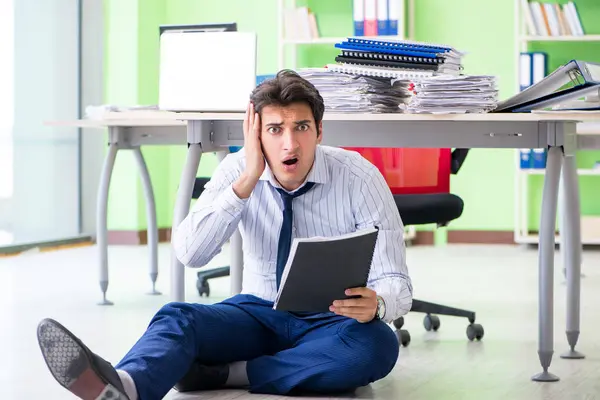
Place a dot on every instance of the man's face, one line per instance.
(289, 139)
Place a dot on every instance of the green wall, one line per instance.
(132, 78)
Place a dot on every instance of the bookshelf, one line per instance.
(287, 47)
(569, 37)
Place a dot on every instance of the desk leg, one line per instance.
(546, 263)
(236, 262)
(102, 219)
(571, 250)
(150, 216)
(182, 208)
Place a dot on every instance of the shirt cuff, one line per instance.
(394, 308)
(231, 204)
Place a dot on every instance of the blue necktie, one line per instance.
(285, 236)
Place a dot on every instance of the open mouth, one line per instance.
(291, 161)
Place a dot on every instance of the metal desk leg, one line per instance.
(182, 208)
(102, 219)
(546, 263)
(571, 251)
(237, 262)
(150, 216)
(236, 256)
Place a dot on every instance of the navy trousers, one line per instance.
(285, 353)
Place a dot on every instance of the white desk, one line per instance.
(208, 132)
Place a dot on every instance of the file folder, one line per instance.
(383, 18)
(532, 68)
(371, 18)
(394, 17)
(583, 76)
(359, 17)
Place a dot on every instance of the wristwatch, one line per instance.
(380, 308)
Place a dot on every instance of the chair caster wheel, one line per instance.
(474, 332)
(403, 337)
(399, 323)
(203, 288)
(431, 322)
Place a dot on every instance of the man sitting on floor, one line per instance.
(242, 341)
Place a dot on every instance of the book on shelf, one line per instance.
(551, 19)
(300, 23)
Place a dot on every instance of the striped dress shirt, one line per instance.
(349, 194)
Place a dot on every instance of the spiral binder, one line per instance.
(391, 57)
(376, 72)
(403, 44)
(385, 63)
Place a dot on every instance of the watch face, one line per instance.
(380, 307)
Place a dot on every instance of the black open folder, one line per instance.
(319, 270)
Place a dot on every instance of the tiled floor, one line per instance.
(499, 282)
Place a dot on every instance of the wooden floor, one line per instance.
(498, 282)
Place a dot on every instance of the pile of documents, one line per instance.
(377, 75)
(352, 93)
(454, 94)
(400, 55)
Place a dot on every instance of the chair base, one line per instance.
(433, 308)
(431, 322)
(203, 277)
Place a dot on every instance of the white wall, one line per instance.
(93, 143)
(46, 159)
(6, 112)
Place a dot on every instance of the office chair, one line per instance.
(432, 204)
(203, 276)
(439, 209)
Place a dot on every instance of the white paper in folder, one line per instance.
(207, 71)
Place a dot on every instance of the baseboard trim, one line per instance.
(137, 237)
(481, 237)
(423, 238)
(49, 245)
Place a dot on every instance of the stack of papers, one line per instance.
(454, 94)
(400, 54)
(352, 93)
(403, 76)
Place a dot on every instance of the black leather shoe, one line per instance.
(75, 367)
(203, 377)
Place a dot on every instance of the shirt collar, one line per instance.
(319, 172)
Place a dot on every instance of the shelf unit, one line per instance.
(584, 38)
(522, 234)
(406, 15)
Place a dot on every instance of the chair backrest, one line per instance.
(410, 170)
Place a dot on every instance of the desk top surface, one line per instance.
(166, 118)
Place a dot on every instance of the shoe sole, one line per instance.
(70, 362)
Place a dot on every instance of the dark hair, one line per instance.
(285, 88)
